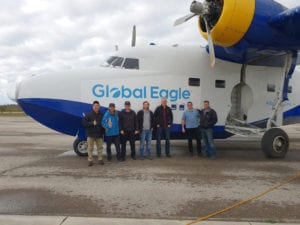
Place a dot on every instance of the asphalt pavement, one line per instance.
(41, 179)
(59, 220)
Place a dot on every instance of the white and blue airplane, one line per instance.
(247, 71)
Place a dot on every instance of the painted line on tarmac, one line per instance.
(291, 179)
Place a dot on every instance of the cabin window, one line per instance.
(271, 88)
(290, 90)
(194, 82)
(220, 84)
(131, 63)
(117, 62)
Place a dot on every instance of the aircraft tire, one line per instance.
(80, 147)
(275, 143)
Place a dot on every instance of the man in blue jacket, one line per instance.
(110, 122)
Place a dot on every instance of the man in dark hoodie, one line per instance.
(163, 117)
(128, 130)
(94, 132)
(208, 119)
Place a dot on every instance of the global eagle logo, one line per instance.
(115, 92)
(153, 92)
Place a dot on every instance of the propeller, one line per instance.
(201, 9)
(210, 45)
(197, 8)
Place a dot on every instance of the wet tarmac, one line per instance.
(40, 175)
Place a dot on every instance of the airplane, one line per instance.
(248, 73)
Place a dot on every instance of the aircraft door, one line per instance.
(241, 101)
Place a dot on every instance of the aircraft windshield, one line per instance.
(121, 62)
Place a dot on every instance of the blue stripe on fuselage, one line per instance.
(65, 116)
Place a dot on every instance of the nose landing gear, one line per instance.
(80, 147)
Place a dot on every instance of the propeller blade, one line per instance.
(133, 39)
(210, 44)
(183, 19)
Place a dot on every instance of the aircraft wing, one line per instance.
(288, 22)
(256, 32)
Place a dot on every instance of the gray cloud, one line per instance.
(38, 36)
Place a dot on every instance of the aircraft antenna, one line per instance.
(133, 39)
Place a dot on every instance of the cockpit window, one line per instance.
(131, 63)
(111, 59)
(117, 62)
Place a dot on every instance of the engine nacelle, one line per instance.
(233, 20)
(255, 24)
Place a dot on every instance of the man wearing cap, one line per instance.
(94, 132)
(110, 122)
(128, 130)
(163, 117)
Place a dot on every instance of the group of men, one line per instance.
(120, 127)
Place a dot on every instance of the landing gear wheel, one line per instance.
(80, 147)
(275, 143)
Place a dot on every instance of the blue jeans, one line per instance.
(208, 140)
(146, 136)
(166, 132)
(116, 141)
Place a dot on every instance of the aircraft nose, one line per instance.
(13, 90)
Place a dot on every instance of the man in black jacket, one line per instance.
(128, 130)
(145, 127)
(208, 119)
(163, 117)
(94, 132)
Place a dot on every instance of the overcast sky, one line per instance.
(38, 36)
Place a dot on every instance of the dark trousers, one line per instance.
(194, 133)
(116, 141)
(127, 136)
(160, 132)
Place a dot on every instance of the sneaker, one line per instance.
(109, 160)
(133, 158)
(91, 163)
(168, 156)
(100, 162)
(141, 158)
(213, 157)
(158, 156)
(149, 157)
